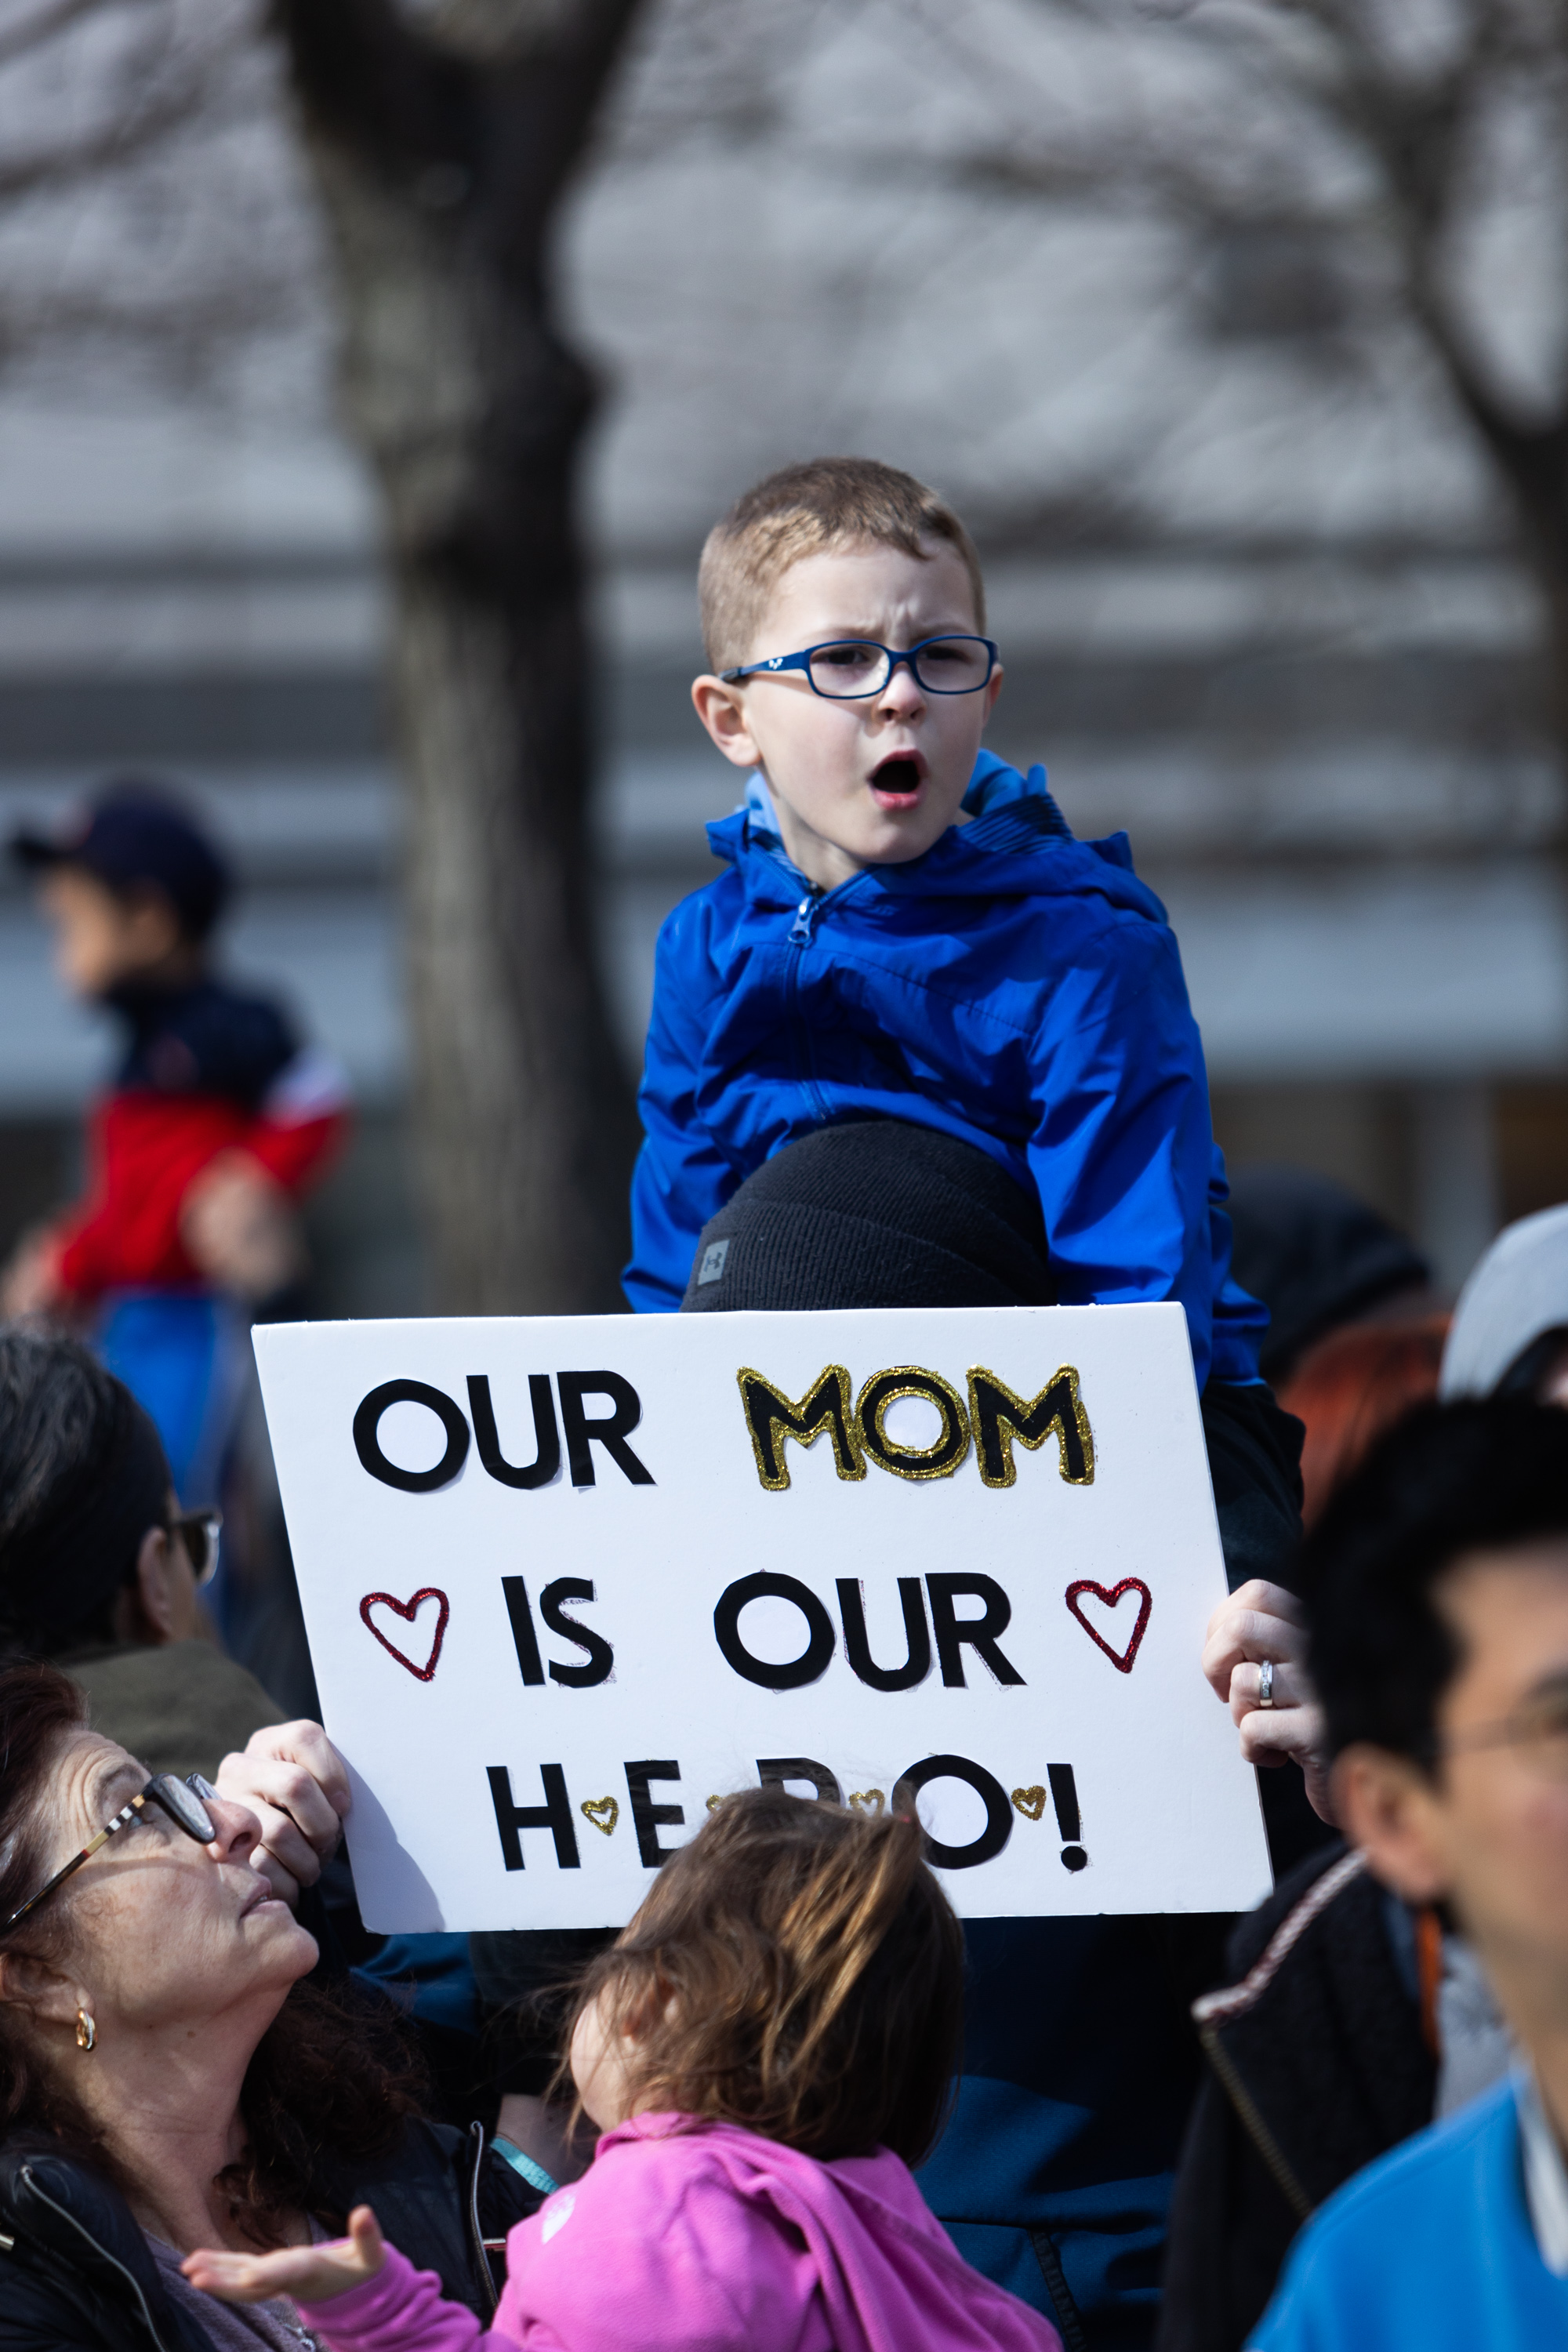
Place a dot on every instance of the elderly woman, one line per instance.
(167, 2079)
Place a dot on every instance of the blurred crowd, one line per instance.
(792, 2105)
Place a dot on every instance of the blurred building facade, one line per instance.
(1249, 580)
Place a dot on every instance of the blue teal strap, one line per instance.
(520, 2161)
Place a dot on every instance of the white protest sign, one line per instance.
(568, 1581)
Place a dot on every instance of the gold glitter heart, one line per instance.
(1031, 1802)
(871, 1797)
(714, 1803)
(603, 1811)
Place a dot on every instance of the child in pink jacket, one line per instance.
(766, 2051)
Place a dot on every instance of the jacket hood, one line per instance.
(892, 2279)
(1017, 844)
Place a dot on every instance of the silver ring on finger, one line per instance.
(1266, 1684)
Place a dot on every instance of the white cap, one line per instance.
(1517, 1291)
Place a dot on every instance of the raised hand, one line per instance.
(1259, 1622)
(292, 1779)
(304, 2274)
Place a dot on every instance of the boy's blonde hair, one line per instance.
(802, 509)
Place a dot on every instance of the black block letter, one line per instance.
(611, 1433)
(980, 1633)
(555, 1815)
(821, 1640)
(546, 1436)
(367, 1436)
(775, 1771)
(770, 1418)
(524, 1640)
(857, 1647)
(601, 1658)
(999, 1417)
(998, 1811)
(648, 1819)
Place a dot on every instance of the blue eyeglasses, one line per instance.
(849, 670)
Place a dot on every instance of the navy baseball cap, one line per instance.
(135, 834)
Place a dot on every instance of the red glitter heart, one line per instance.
(406, 1610)
(1122, 1661)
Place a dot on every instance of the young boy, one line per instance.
(909, 931)
(216, 1121)
(910, 939)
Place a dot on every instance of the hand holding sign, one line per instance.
(827, 1551)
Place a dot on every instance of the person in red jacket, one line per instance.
(218, 1119)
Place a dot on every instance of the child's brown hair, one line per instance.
(796, 1969)
(802, 510)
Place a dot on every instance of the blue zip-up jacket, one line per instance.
(1013, 987)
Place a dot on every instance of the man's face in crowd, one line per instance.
(1488, 1829)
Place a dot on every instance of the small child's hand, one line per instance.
(306, 2273)
(239, 1228)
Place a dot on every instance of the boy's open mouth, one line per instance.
(896, 782)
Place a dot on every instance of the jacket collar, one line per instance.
(1012, 846)
(81, 2224)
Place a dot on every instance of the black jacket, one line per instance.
(1317, 2066)
(76, 2274)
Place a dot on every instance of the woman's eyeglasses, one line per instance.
(183, 1801)
(198, 1531)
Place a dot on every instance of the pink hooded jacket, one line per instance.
(687, 2237)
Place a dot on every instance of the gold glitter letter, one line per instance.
(770, 1418)
(999, 1417)
(947, 1450)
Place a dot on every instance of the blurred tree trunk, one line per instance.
(440, 151)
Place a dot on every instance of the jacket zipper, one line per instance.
(45, 2198)
(476, 2235)
(1263, 2140)
(800, 935)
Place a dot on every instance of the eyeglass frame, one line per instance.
(210, 1523)
(778, 663)
(1513, 1730)
(158, 1789)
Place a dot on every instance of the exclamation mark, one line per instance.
(1064, 1797)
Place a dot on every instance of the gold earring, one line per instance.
(85, 2030)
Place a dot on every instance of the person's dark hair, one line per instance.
(1484, 1475)
(82, 1478)
(798, 1970)
(323, 2076)
(58, 1410)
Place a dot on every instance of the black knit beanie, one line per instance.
(875, 1213)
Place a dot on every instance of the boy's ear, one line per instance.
(722, 710)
